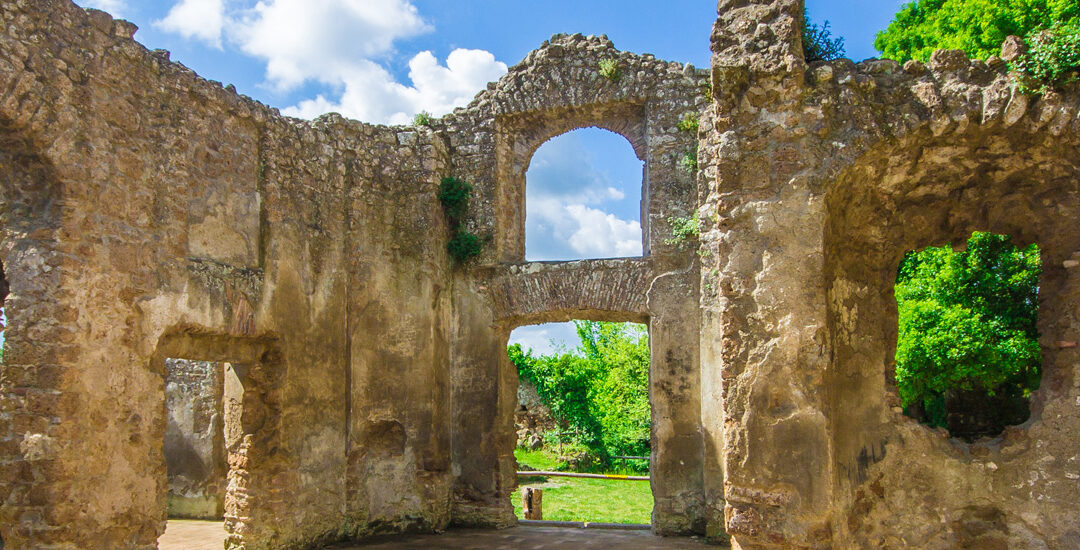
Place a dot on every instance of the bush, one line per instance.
(454, 196)
(977, 27)
(464, 246)
(1052, 59)
(967, 324)
(609, 69)
(819, 43)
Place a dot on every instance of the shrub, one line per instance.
(689, 123)
(684, 229)
(454, 196)
(609, 69)
(689, 162)
(464, 246)
(423, 118)
(1052, 59)
(819, 43)
(706, 89)
(967, 324)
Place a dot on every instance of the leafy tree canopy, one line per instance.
(976, 26)
(967, 321)
(599, 391)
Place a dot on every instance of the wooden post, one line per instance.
(532, 502)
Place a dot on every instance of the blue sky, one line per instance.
(385, 60)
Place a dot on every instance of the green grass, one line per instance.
(571, 499)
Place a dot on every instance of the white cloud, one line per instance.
(199, 19)
(600, 234)
(340, 44)
(546, 339)
(115, 7)
(371, 94)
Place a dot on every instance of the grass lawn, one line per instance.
(570, 499)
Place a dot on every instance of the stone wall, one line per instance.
(821, 178)
(146, 213)
(194, 445)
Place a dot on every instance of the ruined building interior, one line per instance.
(149, 215)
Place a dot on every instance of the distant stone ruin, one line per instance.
(148, 214)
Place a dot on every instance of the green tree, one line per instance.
(967, 322)
(976, 26)
(599, 391)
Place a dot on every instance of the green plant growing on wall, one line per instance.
(454, 195)
(819, 43)
(609, 69)
(684, 229)
(689, 162)
(689, 123)
(706, 89)
(1052, 59)
(423, 118)
(967, 324)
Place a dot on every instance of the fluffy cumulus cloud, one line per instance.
(574, 209)
(198, 19)
(342, 45)
(370, 93)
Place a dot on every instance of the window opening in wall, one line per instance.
(583, 198)
(202, 405)
(583, 408)
(967, 353)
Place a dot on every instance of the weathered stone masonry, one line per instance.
(148, 214)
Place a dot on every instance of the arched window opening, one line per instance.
(583, 407)
(583, 198)
(967, 353)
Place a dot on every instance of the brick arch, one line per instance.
(548, 292)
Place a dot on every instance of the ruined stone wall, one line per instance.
(822, 177)
(194, 446)
(151, 214)
(146, 214)
(555, 89)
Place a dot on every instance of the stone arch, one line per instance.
(919, 191)
(517, 137)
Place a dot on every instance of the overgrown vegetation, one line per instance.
(423, 118)
(689, 162)
(977, 27)
(1052, 59)
(819, 44)
(454, 195)
(598, 392)
(684, 229)
(689, 123)
(967, 335)
(609, 69)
